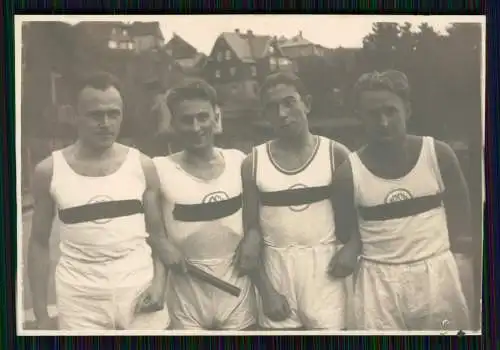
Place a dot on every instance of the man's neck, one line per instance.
(200, 156)
(391, 152)
(88, 152)
(297, 143)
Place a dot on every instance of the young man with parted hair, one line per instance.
(288, 214)
(202, 209)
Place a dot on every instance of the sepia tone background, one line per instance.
(443, 69)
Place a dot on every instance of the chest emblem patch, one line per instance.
(302, 207)
(215, 197)
(398, 195)
(100, 199)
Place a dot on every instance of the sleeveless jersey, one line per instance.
(101, 218)
(295, 206)
(203, 217)
(401, 220)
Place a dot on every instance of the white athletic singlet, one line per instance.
(298, 228)
(404, 239)
(305, 224)
(204, 219)
(408, 278)
(105, 260)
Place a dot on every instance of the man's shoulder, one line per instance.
(45, 167)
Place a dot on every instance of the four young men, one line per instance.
(285, 225)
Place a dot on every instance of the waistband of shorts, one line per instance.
(335, 243)
(212, 261)
(408, 262)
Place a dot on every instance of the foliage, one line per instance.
(443, 70)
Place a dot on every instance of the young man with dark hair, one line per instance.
(201, 191)
(105, 195)
(287, 208)
(404, 199)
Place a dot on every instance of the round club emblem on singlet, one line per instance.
(100, 199)
(398, 195)
(215, 197)
(302, 207)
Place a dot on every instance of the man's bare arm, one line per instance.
(162, 247)
(455, 198)
(153, 216)
(41, 228)
(340, 154)
(251, 220)
(346, 219)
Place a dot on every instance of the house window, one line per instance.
(220, 57)
(228, 55)
(283, 62)
(272, 63)
(253, 71)
(124, 32)
(232, 71)
(130, 45)
(113, 31)
(271, 49)
(234, 89)
(217, 73)
(112, 44)
(53, 80)
(256, 89)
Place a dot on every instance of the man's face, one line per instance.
(384, 115)
(286, 110)
(99, 116)
(194, 122)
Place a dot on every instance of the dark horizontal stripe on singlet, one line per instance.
(401, 209)
(295, 196)
(101, 210)
(207, 211)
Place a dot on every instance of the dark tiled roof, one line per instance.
(146, 28)
(248, 47)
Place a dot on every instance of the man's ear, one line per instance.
(218, 120)
(408, 111)
(308, 103)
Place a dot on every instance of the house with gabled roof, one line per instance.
(135, 36)
(239, 62)
(188, 60)
(298, 46)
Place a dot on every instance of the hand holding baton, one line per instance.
(212, 280)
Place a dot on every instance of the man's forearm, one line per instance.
(160, 248)
(159, 269)
(261, 281)
(38, 275)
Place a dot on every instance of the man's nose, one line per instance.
(283, 111)
(106, 120)
(196, 125)
(384, 121)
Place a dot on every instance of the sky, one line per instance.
(330, 31)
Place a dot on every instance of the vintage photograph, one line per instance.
(241, 174)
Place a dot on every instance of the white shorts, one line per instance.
(425, 295)
(84, 306)
(194, 304)
(317, 301)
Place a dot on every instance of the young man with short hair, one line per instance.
(287, 207)
(404, 199)
(105, 197)
(201, 191)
